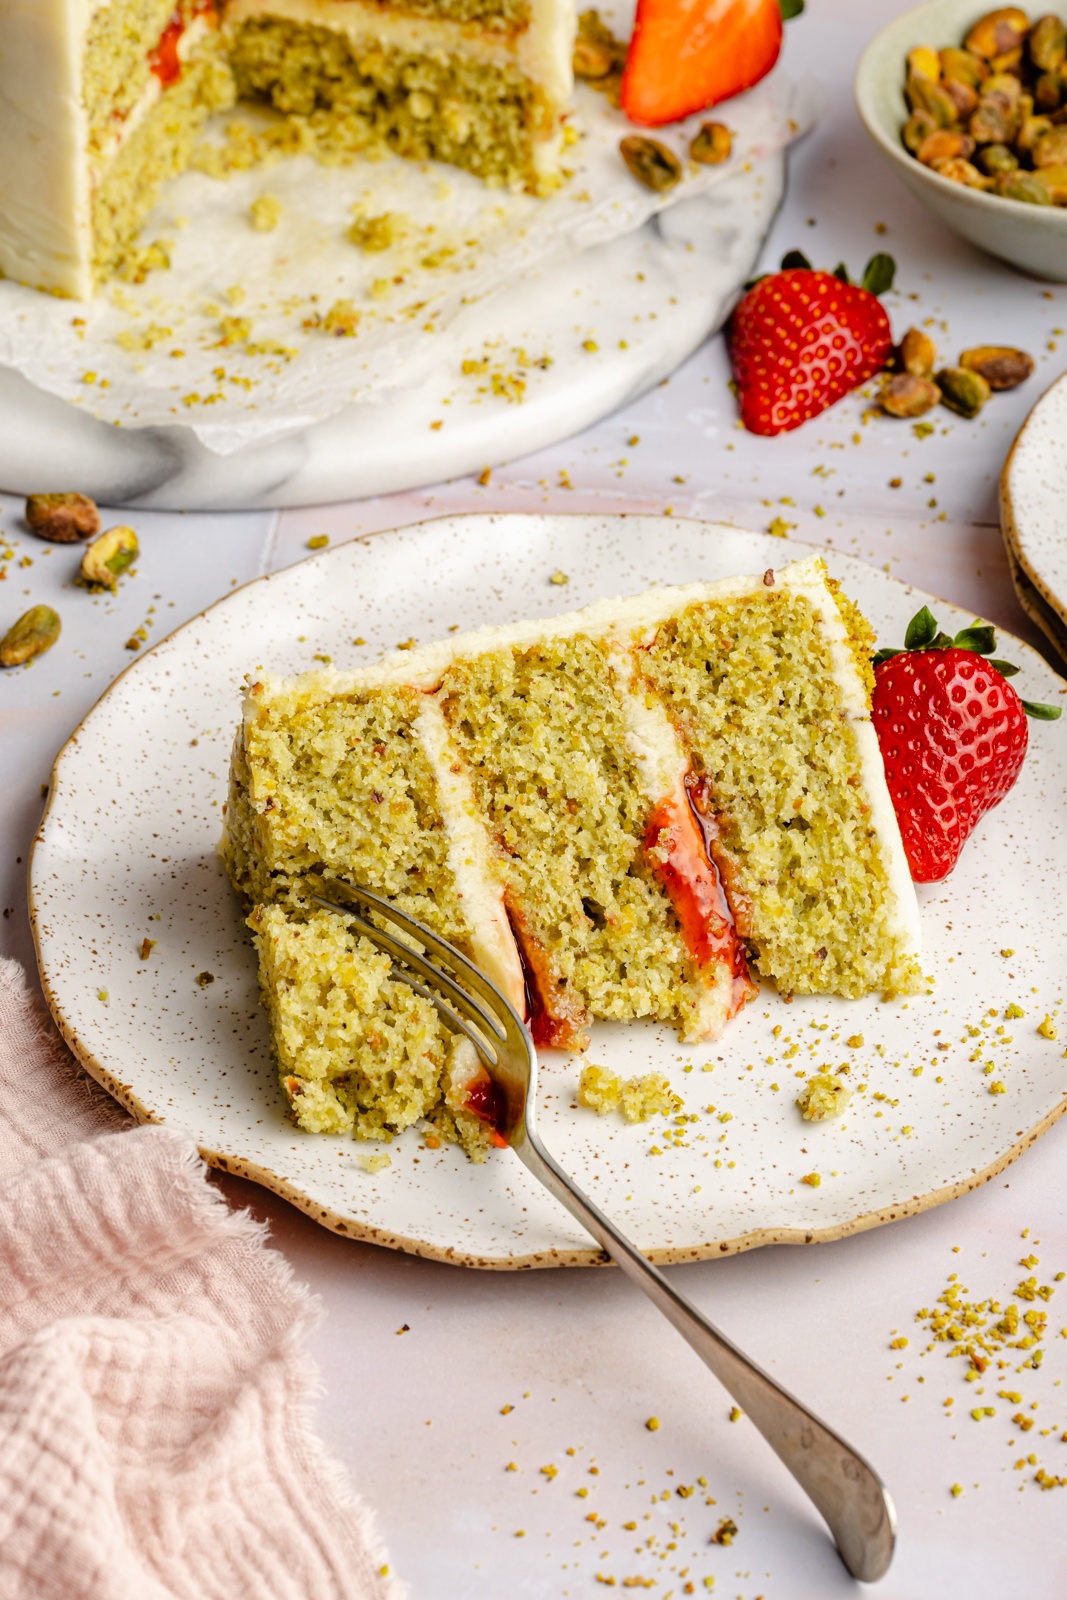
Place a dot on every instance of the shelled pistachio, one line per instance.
(905, 395)
(35, 632)
(651, 162)
(918, 353)
(62, 518)
(108, 557)
(1001, 366)
(712, 144)
(962, 390)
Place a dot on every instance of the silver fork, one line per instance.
(851, 1497)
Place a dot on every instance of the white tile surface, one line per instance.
(591, 1354)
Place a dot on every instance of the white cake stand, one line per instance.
(694, 258)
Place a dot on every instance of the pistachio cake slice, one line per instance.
(617, 813)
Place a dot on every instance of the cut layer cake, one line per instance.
(631, 812)
(101, 102)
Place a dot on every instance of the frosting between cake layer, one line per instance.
(469, 856)
(663, 767)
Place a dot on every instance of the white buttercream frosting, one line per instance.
(478, 884)
(45, 191)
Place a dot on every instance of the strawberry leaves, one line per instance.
(979, 638)
(1040, 713)
(878, 274)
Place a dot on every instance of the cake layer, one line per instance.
(122, 58)
(538, 41)
(364, 78)
(358, 1051)
(360, 786)
(159, 146)
(789, 784)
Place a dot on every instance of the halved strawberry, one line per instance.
(800, 340)
(686, 55)
(953, 735)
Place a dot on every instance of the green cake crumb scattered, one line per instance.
(824, 1095)
(378, 233)
(637, 1098)
(341, 321)
(377, 1162)
(266, 213)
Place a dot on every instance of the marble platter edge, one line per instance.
(695, 256)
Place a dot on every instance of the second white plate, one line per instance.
(1033, 488)
(127, 851)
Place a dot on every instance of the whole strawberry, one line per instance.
(953, 736)
(800, 340)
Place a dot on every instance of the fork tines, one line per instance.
(482, 1008)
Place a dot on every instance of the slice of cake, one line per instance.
(100, 106)
(625, 813)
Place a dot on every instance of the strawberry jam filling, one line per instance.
(554, 1017)
(484, 1100)
(165, 60)
(681, 837)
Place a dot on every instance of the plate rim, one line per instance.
(368, 1233)
(1043, 596)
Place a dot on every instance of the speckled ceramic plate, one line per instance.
(127, 851)
(1033, 513)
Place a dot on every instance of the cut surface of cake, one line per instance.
(101, 103)
(630, 812)
(482, 84)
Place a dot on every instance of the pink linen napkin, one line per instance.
(154, 1434)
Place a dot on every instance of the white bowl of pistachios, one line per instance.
(970, 107)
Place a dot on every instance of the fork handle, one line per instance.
(850, 1496)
